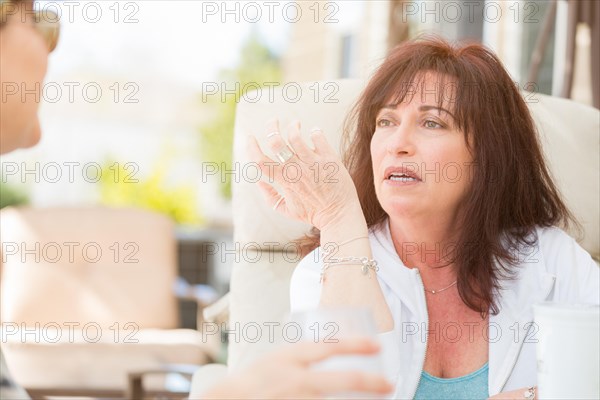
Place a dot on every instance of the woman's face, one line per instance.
(23, 64)
(420, 144)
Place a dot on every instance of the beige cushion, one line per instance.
(128, 301)
(259, 291)
(87, 288)
(570, 134)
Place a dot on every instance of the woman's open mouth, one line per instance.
(401, 176)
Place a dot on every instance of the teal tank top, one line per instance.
(471, 386)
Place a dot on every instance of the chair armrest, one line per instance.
(218, 311)
(135, 380)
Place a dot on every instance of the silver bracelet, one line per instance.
(364, 261)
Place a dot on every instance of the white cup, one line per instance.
(332, 324)
(568, 352)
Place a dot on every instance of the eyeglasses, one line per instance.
(46, 22)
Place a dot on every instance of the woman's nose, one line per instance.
(401, 141)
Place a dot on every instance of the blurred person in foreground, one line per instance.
(26, 39)
(442, 219)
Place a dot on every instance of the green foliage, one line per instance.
(257, 66)
(120, 187)
(11, 195)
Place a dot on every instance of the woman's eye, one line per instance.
(432, 124)
(383, 123)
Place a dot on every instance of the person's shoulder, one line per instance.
(556, 244)
(553, 234)
(574, 269)
(562, 256)
(550, 249)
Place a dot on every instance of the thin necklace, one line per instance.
(440, 290)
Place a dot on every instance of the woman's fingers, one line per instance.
(272, 126)
(268, 167)
(273, 198)
(297, 143)
(280, 148)
(327, 382)
(512, 395)
(322, 146)
(314, 192)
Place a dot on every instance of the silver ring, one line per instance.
(278, 203)
(284, 155)
(270, 135)
(529, 393)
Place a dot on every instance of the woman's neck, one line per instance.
(426, 244)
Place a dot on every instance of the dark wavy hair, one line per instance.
(511, 192)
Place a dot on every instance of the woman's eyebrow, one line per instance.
(421, 108)
(427, 108)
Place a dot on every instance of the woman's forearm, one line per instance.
(347, 285)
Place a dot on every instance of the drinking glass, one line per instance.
(330, 325)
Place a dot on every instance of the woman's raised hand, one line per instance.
(316, 188)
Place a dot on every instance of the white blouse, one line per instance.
(555, 268)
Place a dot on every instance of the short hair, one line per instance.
(4, 6)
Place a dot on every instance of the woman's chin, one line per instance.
(32, 136)
(20, 137)
(402, 207)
